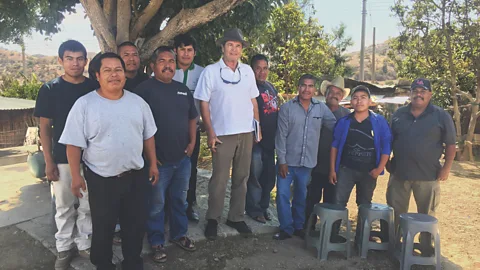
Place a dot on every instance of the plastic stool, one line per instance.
(328, 214)
(367, 213)
(410, 225)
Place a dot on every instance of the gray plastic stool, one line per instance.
(367, 213)
(328, 214)
(410, 225)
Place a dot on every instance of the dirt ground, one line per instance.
(458, 214)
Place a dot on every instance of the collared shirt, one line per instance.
(231, 108)
(190, 78)
(418, 142)
(298, 132)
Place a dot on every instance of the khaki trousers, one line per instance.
(236, 149)
(425, 193)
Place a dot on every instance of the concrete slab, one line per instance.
(22, 197)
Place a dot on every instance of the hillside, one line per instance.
(384, 67)
(45, 67)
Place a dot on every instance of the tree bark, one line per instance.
(145, 16)
(100, 24)
(124, 14)
(473, 122)
(110, 10)
(185, 20)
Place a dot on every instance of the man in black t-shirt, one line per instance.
(176, 116)
(262, 169)
(129, 53)
(54, 101)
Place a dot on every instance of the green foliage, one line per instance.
(297, 45)
(421, 49)
(26, 89)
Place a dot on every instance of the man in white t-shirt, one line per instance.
(188, 73)
(113, 127)
(227, 91)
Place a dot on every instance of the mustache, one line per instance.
(418, 98)
(167, 68)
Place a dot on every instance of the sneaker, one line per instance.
(192, 215)
(240, 226)
(282, 235)
(84, 253)
(63, 260)
(211, 229)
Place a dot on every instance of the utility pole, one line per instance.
(362, 45)
(373, 57)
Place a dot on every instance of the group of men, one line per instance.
(134, 142)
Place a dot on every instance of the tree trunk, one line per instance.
(472, 124)
(24, 60)
(124, 14)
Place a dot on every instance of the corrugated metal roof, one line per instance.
(7, 104)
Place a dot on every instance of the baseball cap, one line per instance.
(361, 88)
(422, 83)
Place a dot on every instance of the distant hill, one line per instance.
(384, 67)
(45, 67)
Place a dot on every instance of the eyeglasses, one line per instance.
(229, 82)
(421, 92)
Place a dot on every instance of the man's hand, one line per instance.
(443, 173)
(375, 173)
(333, 178)
(51, 170)
(78, 183)
(212, 140)
(189, 149)
(153, 174)
(283, 170)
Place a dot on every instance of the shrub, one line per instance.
(26, 89)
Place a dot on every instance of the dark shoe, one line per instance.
(267, 216)
(63, 260)
(211, 229)
(260, 219)
(192, 215)
(299, 233)
(240, 226)
(281, 236)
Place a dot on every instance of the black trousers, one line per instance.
(192, 186)
(124, 198)
(318, 185)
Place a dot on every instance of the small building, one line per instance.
(16, 116)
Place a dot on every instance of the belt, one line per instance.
(125, 173)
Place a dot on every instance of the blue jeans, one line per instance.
(174, 178)
(292, 218)
(261, 181)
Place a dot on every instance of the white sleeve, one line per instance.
(74, 131)
(149, 127)
(253, 88)
(203, 90)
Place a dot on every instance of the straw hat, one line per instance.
(338, 82)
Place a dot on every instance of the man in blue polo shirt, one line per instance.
(175, 115)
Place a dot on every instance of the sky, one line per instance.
(329, 14)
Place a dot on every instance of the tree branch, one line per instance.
(187, 19)
(465, 95)
(124, 14)
(145, 16)
(109, 8)
(99, 22)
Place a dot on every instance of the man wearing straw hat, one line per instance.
(334, 91)
(227, 91)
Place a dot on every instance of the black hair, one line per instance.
(72, 46)
(159, 50)
(126, 43)
(184, 40)
(307, 77)
(97, 64)
(258, 57)
(91, 70)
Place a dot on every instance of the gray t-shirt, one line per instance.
(111, 132)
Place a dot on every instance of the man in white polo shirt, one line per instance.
(227, 92)
(188, 73)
